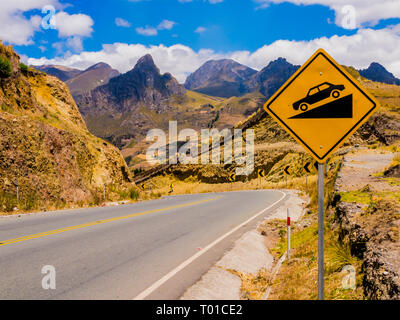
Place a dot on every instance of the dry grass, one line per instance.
(298, 278)
(253, 287)
(191, 185)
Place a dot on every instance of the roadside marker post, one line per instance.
(288, 234)
(307, 169)
(16, 184)
(321, 106)
(261, 174)
(287, 173)
(232, 178)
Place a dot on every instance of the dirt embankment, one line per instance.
(368, 218)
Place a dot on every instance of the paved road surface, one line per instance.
(119, 252)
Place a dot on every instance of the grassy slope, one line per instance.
(46, 146)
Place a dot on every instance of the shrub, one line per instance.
(7, 202)
(24, 67)
(29, 201)
(133, 194)
(5, 68)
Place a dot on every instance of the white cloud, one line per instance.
(73, 25)
(147, 31)
(15, 27)
(200, 30)
(358, 50)
(166, 25)
(368, 12)
(152, 31)
(122, 23)
(75, 43)
(18, 28)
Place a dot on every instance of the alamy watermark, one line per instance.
(195, 148)
(349, 18)
(49, 20)
(349, 278)
(49, 280)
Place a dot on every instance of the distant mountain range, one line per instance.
(89, 79)
(80, 81)
(123, 107)
(61, 72)
(220, 78)
(227, 78)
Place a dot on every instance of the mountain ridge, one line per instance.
(90, 78)
(377, 72)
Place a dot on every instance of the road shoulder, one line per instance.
(248, 258)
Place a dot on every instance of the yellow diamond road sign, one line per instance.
(321, 105)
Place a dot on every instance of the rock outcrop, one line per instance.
(128, 105)
(373, 235)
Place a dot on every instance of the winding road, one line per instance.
(147, 250)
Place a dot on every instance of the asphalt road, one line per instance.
(122, 252)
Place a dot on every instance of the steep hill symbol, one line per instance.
(338, 109)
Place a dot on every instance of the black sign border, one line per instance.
(348, 132)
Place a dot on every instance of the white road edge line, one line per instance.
(173, 272)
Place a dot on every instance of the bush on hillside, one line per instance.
(5, 68)
(24, 67)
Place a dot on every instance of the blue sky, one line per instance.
(230, 25)
(188, 32)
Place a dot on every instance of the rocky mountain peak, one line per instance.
(224, 78)
(377, 72)
(146, 64)
(100, 65)
(273, 76)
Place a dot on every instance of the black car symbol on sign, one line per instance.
(318, 93)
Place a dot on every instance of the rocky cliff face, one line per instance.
(373, 237)
(45, 146)
(143, 83)
(120, 109)
(221, 78)
(273, 76)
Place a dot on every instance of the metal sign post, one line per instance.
(288, 234)
(321, 231)
(321, 106)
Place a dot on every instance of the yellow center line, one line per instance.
(89, 224)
